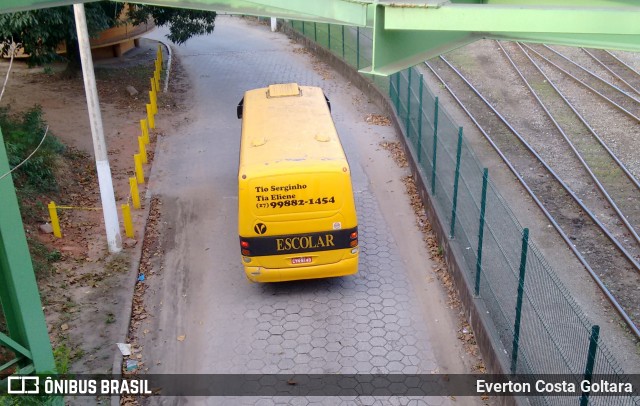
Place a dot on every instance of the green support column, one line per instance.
(329, 36)
(315, 31)
(28, 336)
(303, 33)
(358, 48)
(420, 113)
(398, 94)
(435, 146)
(343, 58)
(454, 206)
(408, 119)
(591, 361)
(516, 324)
(483, 207)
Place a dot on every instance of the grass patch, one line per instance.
(22, 135)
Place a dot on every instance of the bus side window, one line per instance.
(241, 105)
(327, 99)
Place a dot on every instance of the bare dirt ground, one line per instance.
(84, 292)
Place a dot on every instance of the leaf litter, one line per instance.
(465, 332)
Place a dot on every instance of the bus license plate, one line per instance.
(301, 260)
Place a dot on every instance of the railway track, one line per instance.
(614, 65)
(619, 190)
(613, 95)
(608, 262)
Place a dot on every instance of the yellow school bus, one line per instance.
(296, 213)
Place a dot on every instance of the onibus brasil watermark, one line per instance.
(36, 385)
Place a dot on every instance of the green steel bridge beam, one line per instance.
(409, 32)
(28, 337)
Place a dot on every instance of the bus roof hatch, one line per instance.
(283, 90)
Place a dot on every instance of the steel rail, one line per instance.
(602, 189)
(595, 58)
(547, 214)
(608, 100)
(548, 168)
(596, 136)
(593, 74)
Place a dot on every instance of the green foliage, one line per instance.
(21, 136)
(42, 257)
(183, 23)
(40, 32)
(42, 400)
(62, 357)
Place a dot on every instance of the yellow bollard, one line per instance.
(157, 77)
(159, 52)
(145, 130)
(135, 195)
(153, 101)
(143, 150)
(55, 222)
(137, 159)
(128, 224)
(150, 120)
(153, 82)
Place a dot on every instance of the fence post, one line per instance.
(303, 28)
(153, 101)
(435, 146)
(420, 119)
(329, 36)
(150, 119)
(145, 130)
(591, 360)
(357, 48)
(408, 120)
(483, 206)
(55, 222)
(343, 58)
(126, 218)
(456, 178)
(137, 161)
(315, 31)
(135, 194)
(143, 150)
(398, 94)
(516, 325)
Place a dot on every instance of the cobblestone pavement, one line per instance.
(371, 322)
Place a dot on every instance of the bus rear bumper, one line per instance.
(347, 266)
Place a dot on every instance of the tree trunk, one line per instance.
(74, 65)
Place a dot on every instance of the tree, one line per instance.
(40, 32)
(183, 23)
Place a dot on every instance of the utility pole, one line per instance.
(109, 209)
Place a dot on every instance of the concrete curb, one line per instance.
(475, 311)
(169, 60)
(125, 317)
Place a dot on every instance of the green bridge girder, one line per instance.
(407, 32)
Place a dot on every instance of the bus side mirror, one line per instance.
(328, 102)
(240, 107)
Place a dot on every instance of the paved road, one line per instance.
(373, 322)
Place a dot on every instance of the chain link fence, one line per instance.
(538, 324)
